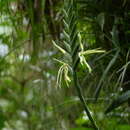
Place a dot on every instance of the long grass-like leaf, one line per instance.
(118, 101)
(111, 63)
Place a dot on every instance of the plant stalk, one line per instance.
(82, 99)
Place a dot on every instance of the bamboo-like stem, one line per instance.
(82, 99)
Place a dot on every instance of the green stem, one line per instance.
(82, 99)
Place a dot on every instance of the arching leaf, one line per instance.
(119, 101)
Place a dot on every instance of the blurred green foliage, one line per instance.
(29, 99)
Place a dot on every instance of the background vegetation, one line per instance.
(49, 80)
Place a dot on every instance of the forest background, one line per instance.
(64, 64)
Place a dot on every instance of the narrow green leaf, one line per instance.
(65, 13)
(66, 25)
(66, 35)
(105, 73)
(73, 40)
(58, 47)
(92, 51)
(75, 51)
(67, 46)
(119, 101)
